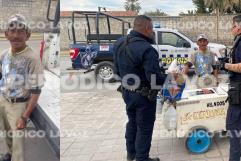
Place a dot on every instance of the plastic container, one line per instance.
(158, 105)
(170, 118)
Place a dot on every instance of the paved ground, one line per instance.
(98, 119)
(93, 124)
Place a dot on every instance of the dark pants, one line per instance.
(233, 125)
(141, 117)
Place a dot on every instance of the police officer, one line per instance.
(137, 64)
(233, 122)
(20, 87)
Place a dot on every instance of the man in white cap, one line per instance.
(22, 78)
(204, 61)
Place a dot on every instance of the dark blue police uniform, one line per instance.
(233, 122)
(142, 61)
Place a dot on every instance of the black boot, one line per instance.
(7, 157)
(153, 159)
(131, 156)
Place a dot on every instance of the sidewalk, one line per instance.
(94, 128)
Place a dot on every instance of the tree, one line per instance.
(132, 5)
(237, 8)
(216, 5)
(158, 12)
(230, 4)
(234, 5)
(221, 6)
(200, 5)
(189, 12)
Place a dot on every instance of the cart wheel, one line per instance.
(198, 141)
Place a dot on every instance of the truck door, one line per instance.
(172, 46)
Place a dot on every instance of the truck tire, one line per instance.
(73, 66)
(104, 71)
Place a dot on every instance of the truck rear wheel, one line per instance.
(105, 71)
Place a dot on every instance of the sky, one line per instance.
(171, 7)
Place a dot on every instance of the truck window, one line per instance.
(172, 39)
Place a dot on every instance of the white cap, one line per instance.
(18, 19)
(202, 36)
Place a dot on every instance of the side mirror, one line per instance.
(186, 45)
(223, 52)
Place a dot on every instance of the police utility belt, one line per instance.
(234, 93)
(16, 100)
(143, 91)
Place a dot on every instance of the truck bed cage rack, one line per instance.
(109, 37)
(98, 37)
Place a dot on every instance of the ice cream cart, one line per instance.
(200, 113)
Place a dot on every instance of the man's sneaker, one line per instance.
(153, 159)
(131, 156)
(7, 157)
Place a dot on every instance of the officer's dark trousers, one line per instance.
(233, 124)
(141, 118)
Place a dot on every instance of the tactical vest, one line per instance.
(236, 58)
(123, 47)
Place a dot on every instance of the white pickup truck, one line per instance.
(171, 44)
